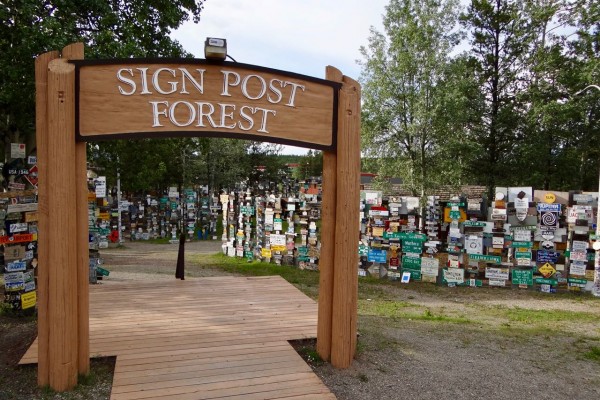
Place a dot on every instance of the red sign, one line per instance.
(33, 175)
(18, 238)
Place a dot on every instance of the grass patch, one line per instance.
(523, 315)
(593, 354)
(405, 310)
(307, 281)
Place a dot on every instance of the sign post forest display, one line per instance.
(81, 100)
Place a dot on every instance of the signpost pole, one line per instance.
(119, 205)
(596, 287)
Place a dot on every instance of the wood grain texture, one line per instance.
(41, 133)
(209, 338)
(326, 259)
(345, 288)
(299, 110)
(75, 51)
(62, 227)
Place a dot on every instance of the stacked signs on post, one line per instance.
(547, 256)
(522, 225)
(580, 219)
(454, 273)
(18, 232)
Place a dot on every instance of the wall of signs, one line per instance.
(18, 230)
(527, 239)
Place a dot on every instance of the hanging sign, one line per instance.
(225, 99)
(100, 183)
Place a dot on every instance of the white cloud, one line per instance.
(293, 35)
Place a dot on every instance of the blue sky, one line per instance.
(291, 35)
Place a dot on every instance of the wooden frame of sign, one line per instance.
(79, 100)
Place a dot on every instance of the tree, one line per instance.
(108, 28)
(406, 91)
(500, 37)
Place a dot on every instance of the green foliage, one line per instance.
(407, 93)
(109, 29)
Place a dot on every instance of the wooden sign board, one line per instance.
(161, 98)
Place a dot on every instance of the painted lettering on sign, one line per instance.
(200, 96)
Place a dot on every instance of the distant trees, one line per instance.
(500, 112)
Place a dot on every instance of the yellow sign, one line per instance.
(378, 231)
(104, 216)
(547, 270)
(91, 196)
(266, 253)
(463, 215)
(31, 216)
(278, 247)
(28, 300)
(549, 198)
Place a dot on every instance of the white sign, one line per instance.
(100, 183)
(18, 227)
(497, 282)
(497, 273)
(474, 245)
(430, 266)
(454, 275)
(497, 242)
(277, 240)
(577, 268)
(522, 235)
(17, 150)
(15, 208)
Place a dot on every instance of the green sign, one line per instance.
(454, 215)
(102, 271)
(249, 255)
(523, 254)
(546, 281)
(527, 245)
(450, 204)
(578, 281)
(486, 258)
(405, 235)
(415, 274)
(412, 246)
(522, 277)
(362, 250)
(247, 210)
(411, 263)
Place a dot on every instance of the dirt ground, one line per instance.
(416, 341)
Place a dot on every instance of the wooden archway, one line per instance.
(71, 92)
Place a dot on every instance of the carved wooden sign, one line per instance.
(161, 98)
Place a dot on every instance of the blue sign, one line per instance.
(544, 256)
(544, 207)
(377, 255)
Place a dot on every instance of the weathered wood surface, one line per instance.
(206, 338)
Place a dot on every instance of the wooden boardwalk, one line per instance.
(208, 338)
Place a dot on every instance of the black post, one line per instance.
(179, 271)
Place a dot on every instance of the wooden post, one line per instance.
(75, 51)
(41, 133)
(326, 258)
(345, 288)
(61, 229)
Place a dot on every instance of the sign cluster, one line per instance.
(18, 230)
(538, 240)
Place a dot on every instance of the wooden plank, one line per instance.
(75, 51)
(345, 288)
(326, 259)
(41, 134)
(62, 227)
(220, 345)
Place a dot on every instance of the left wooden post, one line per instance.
(63, 328)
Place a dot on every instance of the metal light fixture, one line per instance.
(215, 49)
